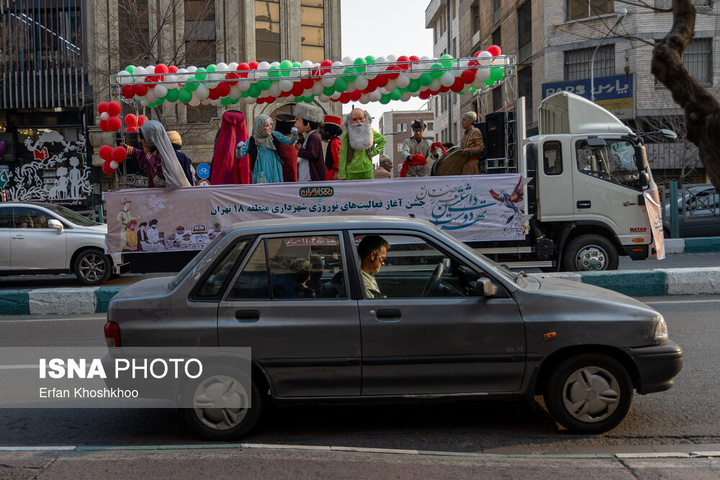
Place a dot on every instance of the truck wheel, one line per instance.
(590, 253)
(218, 399)
(590, 393)
(92, 267)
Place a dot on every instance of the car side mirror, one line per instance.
(52, 223)
(484, 287)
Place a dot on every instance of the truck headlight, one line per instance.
(660, 330)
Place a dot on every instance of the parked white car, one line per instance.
(44, 238)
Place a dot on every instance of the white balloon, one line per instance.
(364, 98)
(381, 62)
(235, 92)
(371, 71)
(414, 71)
(402, 81)
(150, 69)
(435, 85)
(222, 67)
(350, 87)
(138, 73)
(202, 92)
(171, 81)
(243, 85)
(406, 96)
(212, 84)
(392, 58)
(104, 116)
(337, 67)
(263, 67)
(215, 102)
(328, 80)
(274, 90)
(347, 60)
(232, 67)
(323, 98)
(335, 95)
(124, 78)
(160, 91)
(307, 64)
(317, 88)
(286, 85)
(150, 96)
(192, 69)
(391, 85)
(447, 79)
(484, 58)
(113, 164)
(482, 74)
(375, 95)
(361, 82)
(308, 92)
(144, 103)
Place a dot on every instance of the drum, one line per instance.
(450, 164)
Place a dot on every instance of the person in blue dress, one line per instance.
(262, 147)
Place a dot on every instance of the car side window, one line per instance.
(6, 218)
(411, 267)
(220, 274)
(297, 267)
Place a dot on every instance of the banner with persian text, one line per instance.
(471, 208)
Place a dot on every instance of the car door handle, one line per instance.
(247, 315)
(584, 204)
(388, 314)
(18, 237)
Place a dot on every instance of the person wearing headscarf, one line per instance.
(471, 144)
(262, 148)
(158, 156)
(226, 168)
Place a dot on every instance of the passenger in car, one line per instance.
(372, 252)
(301, 274)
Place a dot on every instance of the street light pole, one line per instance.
(620, 16)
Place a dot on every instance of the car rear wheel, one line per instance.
(589, 393)
(92, 267)
(220, 402)
(590, 253)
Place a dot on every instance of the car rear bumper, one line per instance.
(656, 366)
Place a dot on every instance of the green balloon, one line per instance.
(245, 94)
(184, 95)
(437, 70)
(274, 71)
(340, 84)
(414, 85)
(172, 95)
(359, 65)
(211, 67)
(264, 84)
(285, 67)
(296, 64)
(425, 79)
(385, 99)
(254, 90)
(201, 74)
(130, 69)
(192, 85)
(370, 59)
(447, 60)
(225, 101)
(233, 100)
(496, 73)
(329, 91)
(396, 94)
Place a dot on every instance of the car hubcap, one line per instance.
(591, 394)
(591, 258)
(220, 402)
(92, 267)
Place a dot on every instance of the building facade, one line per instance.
(554, 44)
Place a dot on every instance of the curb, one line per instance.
(634, 283)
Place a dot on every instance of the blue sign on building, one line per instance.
(615, 93)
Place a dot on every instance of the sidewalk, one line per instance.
(635, 283)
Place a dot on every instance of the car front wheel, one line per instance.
(225, 406)
(589, 393)
(92, 267)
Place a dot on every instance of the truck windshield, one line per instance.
(613, 162)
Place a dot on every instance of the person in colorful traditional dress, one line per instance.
(330, 132)
(311, 167)
(265, 162)
(360, 143)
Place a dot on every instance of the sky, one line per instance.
(381, 28)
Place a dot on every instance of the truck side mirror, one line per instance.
(641, 157)
(644, 180)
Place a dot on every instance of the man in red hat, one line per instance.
(330, 132)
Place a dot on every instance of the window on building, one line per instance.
(697, 58)
(475, 12)
(524, 15)
(497, 11)
(312, 24)
(497, 36)
(267, 30)
(430, 126)
(667, 4)
(578, 9)
(525, 88)
(401, 127)
(577, 62)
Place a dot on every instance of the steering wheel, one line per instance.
(434, 280)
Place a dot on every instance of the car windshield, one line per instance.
(194, 263)
(71, 216)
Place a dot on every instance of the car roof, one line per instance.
(34, 204)
(335, 222)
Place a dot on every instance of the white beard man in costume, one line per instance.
(360, 143)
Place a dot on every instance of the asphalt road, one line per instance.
(685, 416)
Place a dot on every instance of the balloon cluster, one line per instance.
(112, 157)
(134, 122)
(109, 119)
(363, 79)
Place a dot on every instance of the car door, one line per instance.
(36, 247)
(6, 226)
(423, 339)
(288, 302)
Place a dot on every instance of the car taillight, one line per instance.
(112, 334)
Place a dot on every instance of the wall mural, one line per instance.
(58, 173)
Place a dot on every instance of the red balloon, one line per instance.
(414, 58)
(307, 83)
(395, 69)
(214, 94)
(325, 66)
(141, 119)
(458, 86)
(130, 120)
(114, 108)
(467, 76)
(161, 68)
(105, 152)
(107, 169)
(119, 153)
(344, 97)
(253, 65)
(297, 89)
(494, 50)
(131, 129)
(269, 99)
(103, 125)
(232, 78)
(172, 69)
(223, 89)
(425, 94)
(141, 90)
(284, 94)
(128, 91)
(102, 107)
(243, 68)
(114, 124)
(381, 80)
(403, 62)
(355, 95)
(477, 54)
